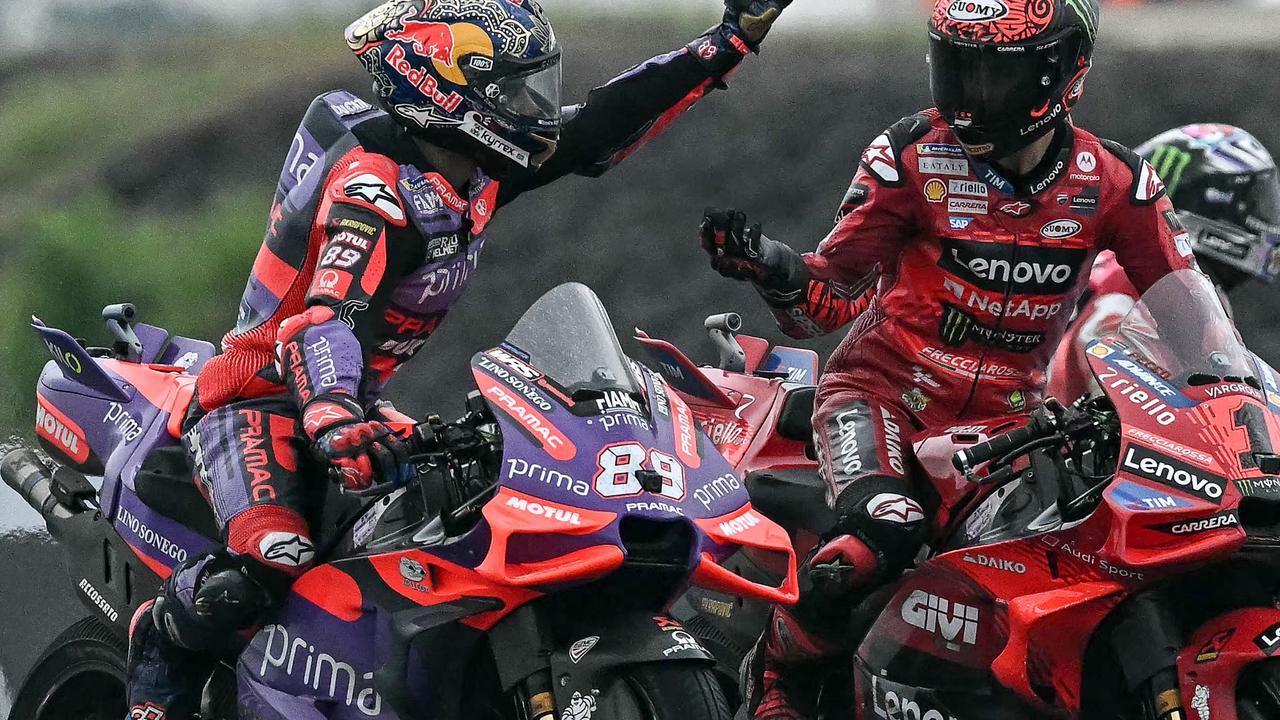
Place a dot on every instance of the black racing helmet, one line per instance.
(1004, 73)
(1225, 187)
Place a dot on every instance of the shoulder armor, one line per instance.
(883, 157)
(369, 181)
(1145, 188)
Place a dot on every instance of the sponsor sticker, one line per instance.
(943, 166)
(939, 149)
(976, 11)
(959, 222)
(969, 206)
(935, 191)
(1086, 161)
(1158, 467)
(894, 508)
(1061, 229)
(968, 187)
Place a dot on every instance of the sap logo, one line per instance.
(996, 563)
(551, 512)
(319, 666)
(742, 523)
(1161, 468)
(952, 621)
(959, 223)
(521, 468)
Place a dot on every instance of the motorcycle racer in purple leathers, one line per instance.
(375, 230)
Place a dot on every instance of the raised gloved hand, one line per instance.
(752, 19)
(743, 253)
(360, 452)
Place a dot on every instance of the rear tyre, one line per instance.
(1258, 691)
(80, 676)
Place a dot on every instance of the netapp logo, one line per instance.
(996, 266)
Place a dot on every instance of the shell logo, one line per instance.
(935, 191)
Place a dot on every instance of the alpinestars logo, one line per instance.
(286, 548)
(881, 160)
(954, 622)
(149, 711)
(894, 508)
(372, 190)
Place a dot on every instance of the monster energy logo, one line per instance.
(1088, 15)
(1169, 162)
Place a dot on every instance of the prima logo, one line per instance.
(320, 671)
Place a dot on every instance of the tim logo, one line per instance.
(952, 621)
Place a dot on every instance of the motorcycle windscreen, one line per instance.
(567, 335)
(1181, 326)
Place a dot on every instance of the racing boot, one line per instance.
(782, 676)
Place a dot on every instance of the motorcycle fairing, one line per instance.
(581, 523)
(1218, 652)
(680, 372)
(115, 414)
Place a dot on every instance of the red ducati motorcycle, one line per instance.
(1118, 558)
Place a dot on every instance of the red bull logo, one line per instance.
(428, 39)
(444, 44)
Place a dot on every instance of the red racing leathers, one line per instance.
(979, 274)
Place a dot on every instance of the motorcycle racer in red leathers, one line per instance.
(982, 218)
(1226, 189)
(375, 231)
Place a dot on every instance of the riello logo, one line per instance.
(952, 621)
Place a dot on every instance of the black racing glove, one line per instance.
(752, 19)
(744, 253)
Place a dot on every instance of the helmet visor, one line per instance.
(976, 85)
(533, 94)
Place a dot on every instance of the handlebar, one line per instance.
(1043, 424)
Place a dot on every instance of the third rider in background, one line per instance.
(1225, 187)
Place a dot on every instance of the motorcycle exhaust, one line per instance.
(23, 471)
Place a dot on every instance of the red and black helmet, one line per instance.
(1006, 72)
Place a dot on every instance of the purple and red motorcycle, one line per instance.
(524, 573)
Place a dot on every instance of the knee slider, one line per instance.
(208, 599)
(881, 511)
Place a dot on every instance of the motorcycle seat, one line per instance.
(795, 498)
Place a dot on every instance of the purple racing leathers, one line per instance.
(368, 247)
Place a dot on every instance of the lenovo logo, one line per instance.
(997, 267)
